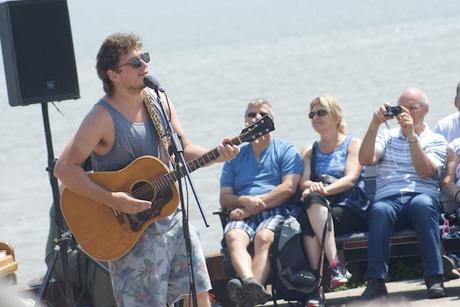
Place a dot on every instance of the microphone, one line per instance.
(153, 83)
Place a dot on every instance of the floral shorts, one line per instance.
(156, 272)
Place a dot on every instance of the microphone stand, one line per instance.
(182, 171)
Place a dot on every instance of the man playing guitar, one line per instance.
(114, 133)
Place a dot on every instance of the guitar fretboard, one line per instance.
(166, 180)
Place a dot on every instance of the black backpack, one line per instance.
(293, 277)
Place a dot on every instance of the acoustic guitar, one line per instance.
(108, 234)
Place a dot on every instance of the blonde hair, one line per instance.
(257, 102)
(332, 105)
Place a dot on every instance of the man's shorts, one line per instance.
(156, 272)
(267, 219)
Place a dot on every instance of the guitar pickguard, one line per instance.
(160, 200)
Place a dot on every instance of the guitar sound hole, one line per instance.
(143, 190)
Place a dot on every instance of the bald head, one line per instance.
(413, 95)
(416, 102)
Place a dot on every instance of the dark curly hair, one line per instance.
(113, 48)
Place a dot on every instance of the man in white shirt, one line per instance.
(407, 194)
(449, 126)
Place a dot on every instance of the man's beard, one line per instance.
(136, 89)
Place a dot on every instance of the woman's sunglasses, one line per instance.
(320, 113)
(254, 114)
(135, 62)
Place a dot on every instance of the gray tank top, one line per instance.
(132, 140)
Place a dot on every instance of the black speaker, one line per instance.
(38, 52)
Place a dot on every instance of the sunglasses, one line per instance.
(320, 113)
(254, 114)
(135, 62)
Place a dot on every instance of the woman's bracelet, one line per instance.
(456, 194)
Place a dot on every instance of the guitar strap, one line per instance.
(162, 136)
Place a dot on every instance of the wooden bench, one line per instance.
(353, 247)
(8, 264)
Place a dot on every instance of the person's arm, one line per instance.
(368, 155)
(305, 182)
(257, 203)
(291, 169)
(93, 131)
(249, 204)
(352, 171)
(448, 183)
(228, 200)
(252, 204)
(423, 165)
(282, 192)
(191, 150)
(233, 203)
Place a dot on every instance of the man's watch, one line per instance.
(412, 140)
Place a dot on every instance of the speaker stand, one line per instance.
(61, 242)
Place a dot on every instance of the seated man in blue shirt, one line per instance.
(257, 188)
(407, 159)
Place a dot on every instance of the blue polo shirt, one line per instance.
(249, 176)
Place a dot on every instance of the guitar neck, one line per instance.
(167, 179)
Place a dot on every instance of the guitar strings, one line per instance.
(165, 180)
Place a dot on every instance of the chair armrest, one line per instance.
(223, 216)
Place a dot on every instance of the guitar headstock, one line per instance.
(257, 129)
